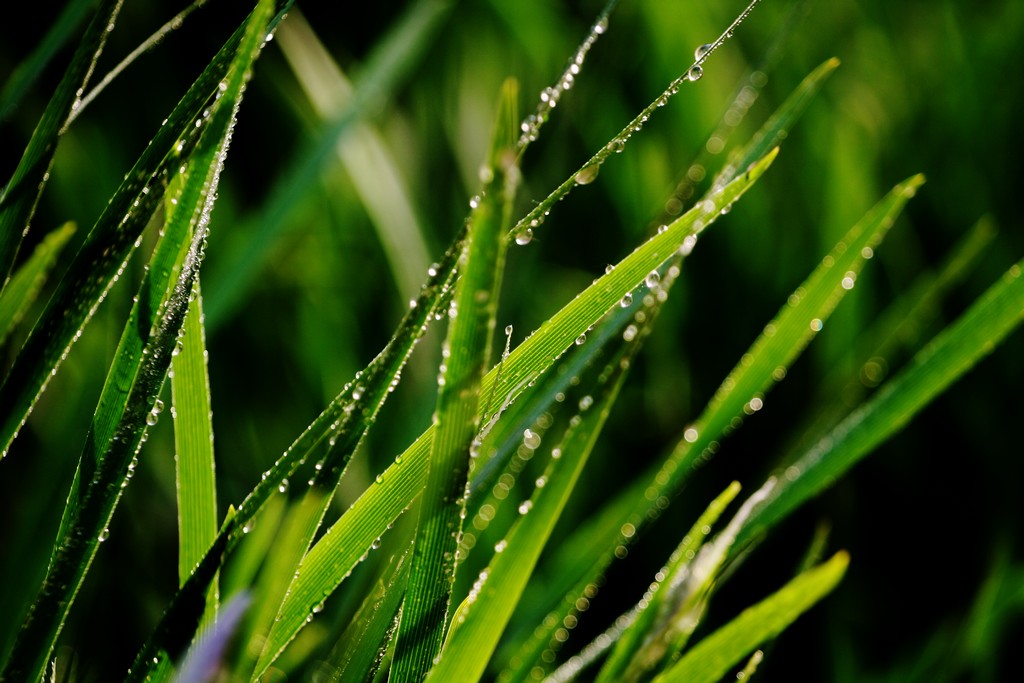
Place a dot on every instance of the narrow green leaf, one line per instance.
(482, 618)
(108, 246)
(466, 351)
(742, 392)
(21, 292)
(653, 607)
(339, 550)
(193, 439)
(944, 360)
(389, 64)
(359, 652)
(130, 398)
(711, 658)
(27, 73)
(18, 198)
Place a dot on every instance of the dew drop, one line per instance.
(627, 300)
(701, 51)
(283, 486)
(104, 535)
(524, 237)
(587, 174)
(653, 279)
(694, 73)
(581, 340)
(531, 439)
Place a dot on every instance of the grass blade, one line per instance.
(952, 353)
(23, 288)
(123, 415)
(19, 196)
(107, 247)
(28, 71)
(193, 438)
(711, 658)
(742, 392)
(424, 620)
(340, 549)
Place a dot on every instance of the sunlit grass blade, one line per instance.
(389, 64)
(713, 657)
(364, 153)
(193, 441)
(329, 441)
(653, 608)
(742, 392)
(482, 617)
(107, 247)
(18, 198)
(340, 549)
(23, 288)
(466, 352)
(945, 359)
(776, 128)
(130, 399)
(26, 73)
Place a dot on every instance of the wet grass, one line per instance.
(352, 480)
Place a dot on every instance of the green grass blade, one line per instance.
(340, 549)
(22, 78)
(122, 416)
(952, 353)
(466, 351)
(482, 618)
(23, 288)
(193, 440)
(18, 198)
(389, 64)
(715, 655)
(742, 392)
(107, 247)
(358, 654)
(628, 647)
(364, 153)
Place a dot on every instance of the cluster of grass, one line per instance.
(366, 469)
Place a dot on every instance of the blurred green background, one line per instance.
(933, 519)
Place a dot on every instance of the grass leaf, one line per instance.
(23, 288)
(712, 657)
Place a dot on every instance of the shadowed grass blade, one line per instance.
(340, 549)
(952, 353)
(482, 618)
(107, 247)
(714, 656)
(23, 288)
(742, 392)
(18, 198)
(466, 351)
(129, 401)
(389, 64)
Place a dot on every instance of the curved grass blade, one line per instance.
(654, 606)
(385, 70)
(368, 160)
(18, 198)
(482, 618)
(193, 440)
(953, 352)
(23, 288)
(130, 398)
(29, 70)
(361, 650)
(147, 45)
(742, 392)
(714, 656)
(329, 441)
(340, 549)
(107, 247)
(466, 351)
